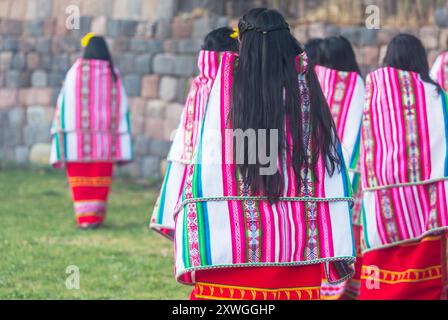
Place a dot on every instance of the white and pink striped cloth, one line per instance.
(439, 70)
(344, 92)
(184, 143)
(187, 134)
(404, 163)
(91, 121)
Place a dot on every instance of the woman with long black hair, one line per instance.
(404, 172)
(258, 220)
(343, 88)
(91, 130)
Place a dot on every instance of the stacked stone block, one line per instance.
(155, 50)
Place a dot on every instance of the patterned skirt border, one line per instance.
(424, 234)
(350, 200)
(349, 260)
(405, 184)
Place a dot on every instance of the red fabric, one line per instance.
(90, 184)
(413, 271)
(259, 283)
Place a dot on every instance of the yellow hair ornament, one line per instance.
(235, 34)
(86, 39)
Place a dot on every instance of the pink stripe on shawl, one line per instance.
(442, 204)
(330, 81)
(380, 143)
(196, 102)
(366, 141)
(268, 239)
(397, 206)
(229, 179)
(107, 121)
(379, 218)
(442, 75)
(395, 161)
(78, 106)
(118, 153)
(422, 121)
(350, 88)
(93, 106)
(301, 226)
(324, 225)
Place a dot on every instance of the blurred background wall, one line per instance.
(154, 43)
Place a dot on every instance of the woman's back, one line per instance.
(267, 185)
(404, 158)
(439, 70)
(306, 223)
(406, 137)
(91, 121)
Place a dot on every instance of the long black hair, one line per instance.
(266, 92)
(312, 49)
(337, 53)
(220, 40)
(97, 49)
(406, 52)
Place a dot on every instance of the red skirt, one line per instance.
(90, 184)
(258, 283)
(411, 271)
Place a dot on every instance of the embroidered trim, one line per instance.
(216, 291)
(90, 181)
(85, 108)
(262, 198)
(91, 214)
(405, 184)
(224, 286)
(349, 259)
(409, 275)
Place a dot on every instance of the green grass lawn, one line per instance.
(39, 240)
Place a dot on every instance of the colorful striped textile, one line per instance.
(349, 289)
(439, 70)
(220, 223)
(91, 121)
(184, 143)
(90, 184)
(344, 92)
(404, 159)
(162, 220)
(258, 283)
(411, 271)
(188, 132)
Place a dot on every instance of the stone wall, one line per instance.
(155, 50)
